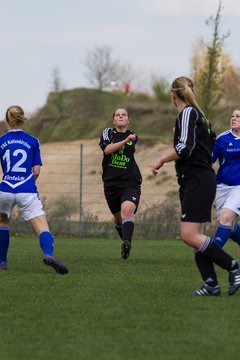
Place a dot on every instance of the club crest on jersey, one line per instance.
(121, 150)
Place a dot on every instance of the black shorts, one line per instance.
(197, 192)
(115, 196)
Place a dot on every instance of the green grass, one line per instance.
(110, 309)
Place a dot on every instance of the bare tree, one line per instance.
(56, 81)
(209, 78)
(102, 68)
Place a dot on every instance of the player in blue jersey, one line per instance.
(227, 151)
(121, 176)
(192, 150)
(21, 164)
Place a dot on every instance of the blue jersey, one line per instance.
(19, 152)
(227, 151)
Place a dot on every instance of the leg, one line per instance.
(4, 240)
(113, 198)
(212, 252)
(46, 241)
(7, 202)
(192, 235)
(206, 269)
(226, 220)
(39, 223)
(118, 223)
(235, 234)
(127, 214)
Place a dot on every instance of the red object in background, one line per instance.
(127, 88)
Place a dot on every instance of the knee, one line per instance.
(186, 236)
(227, 218)
(127, 214)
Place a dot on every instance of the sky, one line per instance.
(153, 36)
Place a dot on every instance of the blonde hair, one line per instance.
(15, 116)
(184, 89)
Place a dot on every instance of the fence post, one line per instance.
(81, 221)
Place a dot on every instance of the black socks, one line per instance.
(127, 228)
(216, 255)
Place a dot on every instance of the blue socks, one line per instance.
(222, 235)
(4, 242)
(46, 241)
(235, 234)
(225, 232)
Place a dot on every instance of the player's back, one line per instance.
(19, 152)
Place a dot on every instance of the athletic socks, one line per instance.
(222, 235)
(217, 255)
(46, 241)
(224, 232)
(127, 228)
(235, 234)
(4, 242)
(206, 269)
(118, 227)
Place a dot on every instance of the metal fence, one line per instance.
(71, 190)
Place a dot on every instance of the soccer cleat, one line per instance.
(206, 290)
(59, 267)
(3, 265)
(234, 280)
(126, 248)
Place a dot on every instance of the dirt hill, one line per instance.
(83, 113)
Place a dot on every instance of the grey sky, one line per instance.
(153, 36)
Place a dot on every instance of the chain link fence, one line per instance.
(71, 190)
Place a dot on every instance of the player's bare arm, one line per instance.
(111, 148)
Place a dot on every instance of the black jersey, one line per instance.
(120, 167)
(193, 140)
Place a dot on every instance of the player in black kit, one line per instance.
(121, 176)
(193, 141)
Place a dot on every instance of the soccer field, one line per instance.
(107, 308)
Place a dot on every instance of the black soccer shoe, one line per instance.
(59, 267)
(234, 281)
(125, 250)
(206, 290)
